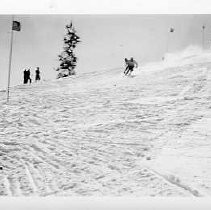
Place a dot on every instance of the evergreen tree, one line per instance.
(67, 58)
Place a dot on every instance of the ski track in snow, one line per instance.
(105, 134)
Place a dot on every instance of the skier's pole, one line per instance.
(10, 61)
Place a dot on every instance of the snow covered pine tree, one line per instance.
(67, 58)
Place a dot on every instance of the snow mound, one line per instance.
(189, 56)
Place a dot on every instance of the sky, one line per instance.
(106, 41)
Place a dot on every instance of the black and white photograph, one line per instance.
(105, 105)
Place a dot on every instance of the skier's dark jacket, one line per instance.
(131, 64)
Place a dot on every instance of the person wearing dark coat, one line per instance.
(37, 74)
(25, 77)
(28, 76)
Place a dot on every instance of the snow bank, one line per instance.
(190, 55)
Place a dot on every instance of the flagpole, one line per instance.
(167, 45)
(10, 60)
(203, 27)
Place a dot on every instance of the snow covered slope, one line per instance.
(106, 134)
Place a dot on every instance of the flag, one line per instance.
(16, 26)
(171, 29)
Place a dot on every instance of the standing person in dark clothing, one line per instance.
(37, 74)
(25, 76)
(29, 78)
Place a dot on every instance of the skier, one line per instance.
(130, 65)
(37, 74)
